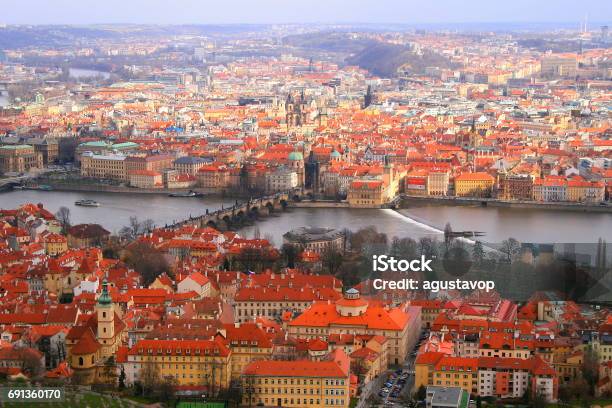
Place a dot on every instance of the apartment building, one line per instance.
(104, 166)
(298, 383)
(478, 184)
(190, 362)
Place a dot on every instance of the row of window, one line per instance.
(311, 391)
(298, 381)
(161, 357)
(298, 401)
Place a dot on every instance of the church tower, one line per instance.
(106, 318)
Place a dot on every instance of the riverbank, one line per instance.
(491, 202)
(319, 204)
(104, 188)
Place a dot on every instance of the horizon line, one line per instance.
(594, 23)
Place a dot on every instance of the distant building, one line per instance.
(479, 184)
(281, 179)
(104, 166)
(515, 187)
(315, 239)
(366, 193)
(146, 179)
(86, 235)
(19, 158)
(190, 165)
(559, 66)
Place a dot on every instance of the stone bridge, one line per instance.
(224, 218)
(9, 183)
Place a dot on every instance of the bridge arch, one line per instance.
(227, 219)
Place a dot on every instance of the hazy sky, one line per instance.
(300, 11)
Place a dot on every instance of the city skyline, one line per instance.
(276, 12)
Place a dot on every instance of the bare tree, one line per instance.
(448, 234)
(147, 260)
(478, 252)
(332, 260)
(149, 377)
(256, 233)
(31, 363)
(110, 371)
(136, 228)
(510, 248)
(248, 389)
(166, 389)
(63, 216)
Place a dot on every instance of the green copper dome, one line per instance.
(295, 156)
(105, 298)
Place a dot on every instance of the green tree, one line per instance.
(427, 247)
(478, 253)
(122, 379)
(110, 371)
(405, 248)
(421, 393)
(590, 370)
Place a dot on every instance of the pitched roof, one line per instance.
(295, 368)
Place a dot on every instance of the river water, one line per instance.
(420, 219)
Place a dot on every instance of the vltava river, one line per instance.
(421, 219)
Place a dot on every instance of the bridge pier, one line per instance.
(226, 218)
